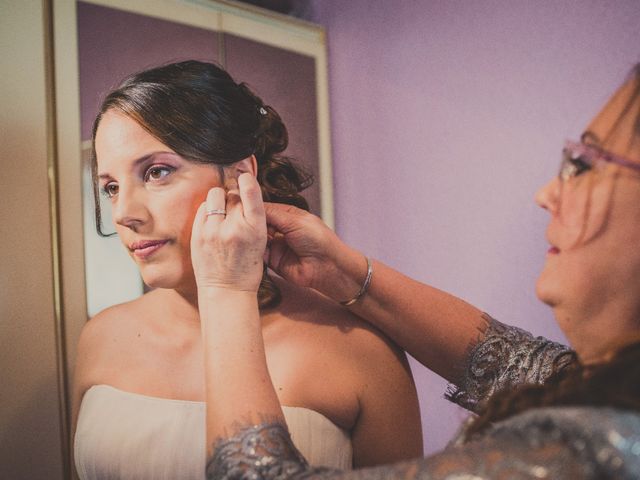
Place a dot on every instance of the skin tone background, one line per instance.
(447, 117)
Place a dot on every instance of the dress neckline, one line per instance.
(196, 403)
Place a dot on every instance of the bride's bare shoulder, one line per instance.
(113, 328)
(358, 365)
(123, 314)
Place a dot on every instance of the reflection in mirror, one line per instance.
(114, 43)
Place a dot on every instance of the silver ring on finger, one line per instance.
(216, 211)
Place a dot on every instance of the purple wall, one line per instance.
(446, 118)
(113, 44)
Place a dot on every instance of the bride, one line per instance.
(161, 141)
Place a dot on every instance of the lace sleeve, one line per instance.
(550, 443)
(577, 443)
(259, 452)
(503, 357)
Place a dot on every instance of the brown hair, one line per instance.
(202, 114)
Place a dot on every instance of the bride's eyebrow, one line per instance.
(138, 161)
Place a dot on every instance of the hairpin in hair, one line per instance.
(262, 111)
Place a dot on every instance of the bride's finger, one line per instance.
(234, 205)
(215, 209)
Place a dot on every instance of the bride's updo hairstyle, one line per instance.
(202, 114)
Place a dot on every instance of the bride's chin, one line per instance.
(156, 278)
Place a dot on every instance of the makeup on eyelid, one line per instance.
(169, 159)
(146, 173)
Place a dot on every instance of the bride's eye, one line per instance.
(157, 172)
(110, 190)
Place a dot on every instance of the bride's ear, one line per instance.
(246, 165)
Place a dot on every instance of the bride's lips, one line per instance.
(145, 248)
(553, 250)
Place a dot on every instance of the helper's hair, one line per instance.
(201, 113)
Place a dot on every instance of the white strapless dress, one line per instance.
(126, 436)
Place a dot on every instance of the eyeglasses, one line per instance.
(578, 158)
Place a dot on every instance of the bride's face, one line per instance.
(154, 194)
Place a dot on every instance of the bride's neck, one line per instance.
(182, 303)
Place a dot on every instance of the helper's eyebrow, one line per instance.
(590, 138)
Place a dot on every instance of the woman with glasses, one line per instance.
(543, 410)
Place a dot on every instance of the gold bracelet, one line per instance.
(365, 285)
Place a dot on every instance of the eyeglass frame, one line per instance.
(590, 155)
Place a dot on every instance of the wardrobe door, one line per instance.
(286, 80)
(31, 410)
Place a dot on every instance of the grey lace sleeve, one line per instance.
(262, 451)
(577, 443)
(504, 357)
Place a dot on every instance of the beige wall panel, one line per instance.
(30, 433)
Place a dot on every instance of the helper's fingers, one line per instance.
(275, 253)
(251, 197)
(215, 206)
(283, 218)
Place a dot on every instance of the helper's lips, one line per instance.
(145, 248)
(553, 250)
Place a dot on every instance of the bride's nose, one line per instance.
(129, 209)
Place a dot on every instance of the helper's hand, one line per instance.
(227, 250)
(306, 252)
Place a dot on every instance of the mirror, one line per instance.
(114, 42)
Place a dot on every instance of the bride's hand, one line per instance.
(227, 250)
